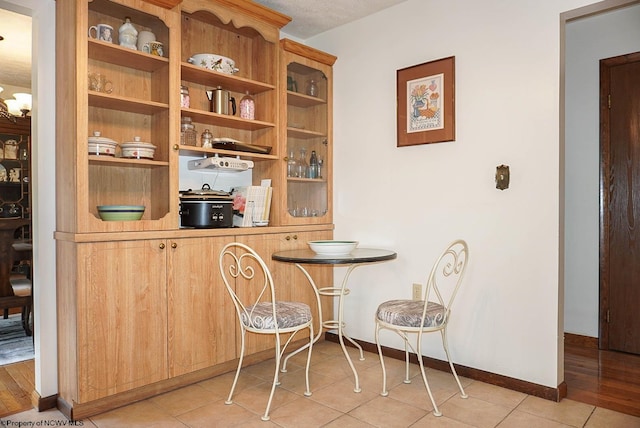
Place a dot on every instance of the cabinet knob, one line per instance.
(176, 147)
(295, 237)
(288, 238)
(174, 245)
(161, 245)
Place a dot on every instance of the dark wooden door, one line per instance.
(620, 204)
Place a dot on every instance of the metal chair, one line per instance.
(250, 285)
(432, 314)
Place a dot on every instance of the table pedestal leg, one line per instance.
(341, 335)
(338, 324)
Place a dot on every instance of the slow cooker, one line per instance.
(206, 208)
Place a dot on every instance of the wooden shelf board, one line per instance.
(302, 100)
(304, 133)
(115, 54)
(199, 151)
(307, 180)
(109, 160)
(196, 74)
(132, 105)
(225, 120)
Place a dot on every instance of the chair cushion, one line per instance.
(408, 313)
(289, 314)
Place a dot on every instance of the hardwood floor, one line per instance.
(17, 381)
(603, 378)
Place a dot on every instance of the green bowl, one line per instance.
(120, 212)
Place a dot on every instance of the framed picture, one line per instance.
(426, 103)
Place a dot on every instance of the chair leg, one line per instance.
(307, 393)
(384, 392)
(235, 379)
(406, 359)
(26, 312)
(6, 313)
(276, 380)
(453, 369)
(436, 411)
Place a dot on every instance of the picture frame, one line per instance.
(426, 103)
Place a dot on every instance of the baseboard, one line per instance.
(43, 403)
(553, 394)
(581, 341)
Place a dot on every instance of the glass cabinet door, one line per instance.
(307, 141)
(308, 134)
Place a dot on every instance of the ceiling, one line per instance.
(15, 53)
(312, 17)
(309, 18)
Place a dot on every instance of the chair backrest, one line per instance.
(446, 275)
(248, 280)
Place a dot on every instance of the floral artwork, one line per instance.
(426, 103)
(425, 109)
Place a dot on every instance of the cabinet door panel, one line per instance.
(290, 283)
(122, 317)
(201, 314)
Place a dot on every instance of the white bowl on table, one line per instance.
(332, 248)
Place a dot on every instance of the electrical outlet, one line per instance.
(416, 293)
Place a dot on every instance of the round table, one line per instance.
(357, 257)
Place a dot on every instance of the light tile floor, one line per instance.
(334, 404)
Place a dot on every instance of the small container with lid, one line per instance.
(247, 107)
(185, 101)
(207, 139)
(188, 134)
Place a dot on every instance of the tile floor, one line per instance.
(334, 404)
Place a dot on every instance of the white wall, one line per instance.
(416, 199)
(588, 40)
(43, 186)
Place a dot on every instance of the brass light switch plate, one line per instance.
(502, 177)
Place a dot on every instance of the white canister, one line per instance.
(145, 37)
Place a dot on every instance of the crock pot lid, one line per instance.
(204, 192)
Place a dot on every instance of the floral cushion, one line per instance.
(408, 313)
(289, 314)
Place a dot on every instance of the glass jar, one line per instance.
(188, 134)
(292, 165)
(312, 88)
(303, 166)
(247, 107)
(185, 101)
(206, 139)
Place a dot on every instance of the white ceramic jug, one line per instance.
(128, 35)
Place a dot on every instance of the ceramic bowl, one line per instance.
(99, 145)
(333, 248)
(137, 149)
(214, 62)
(120, 212)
